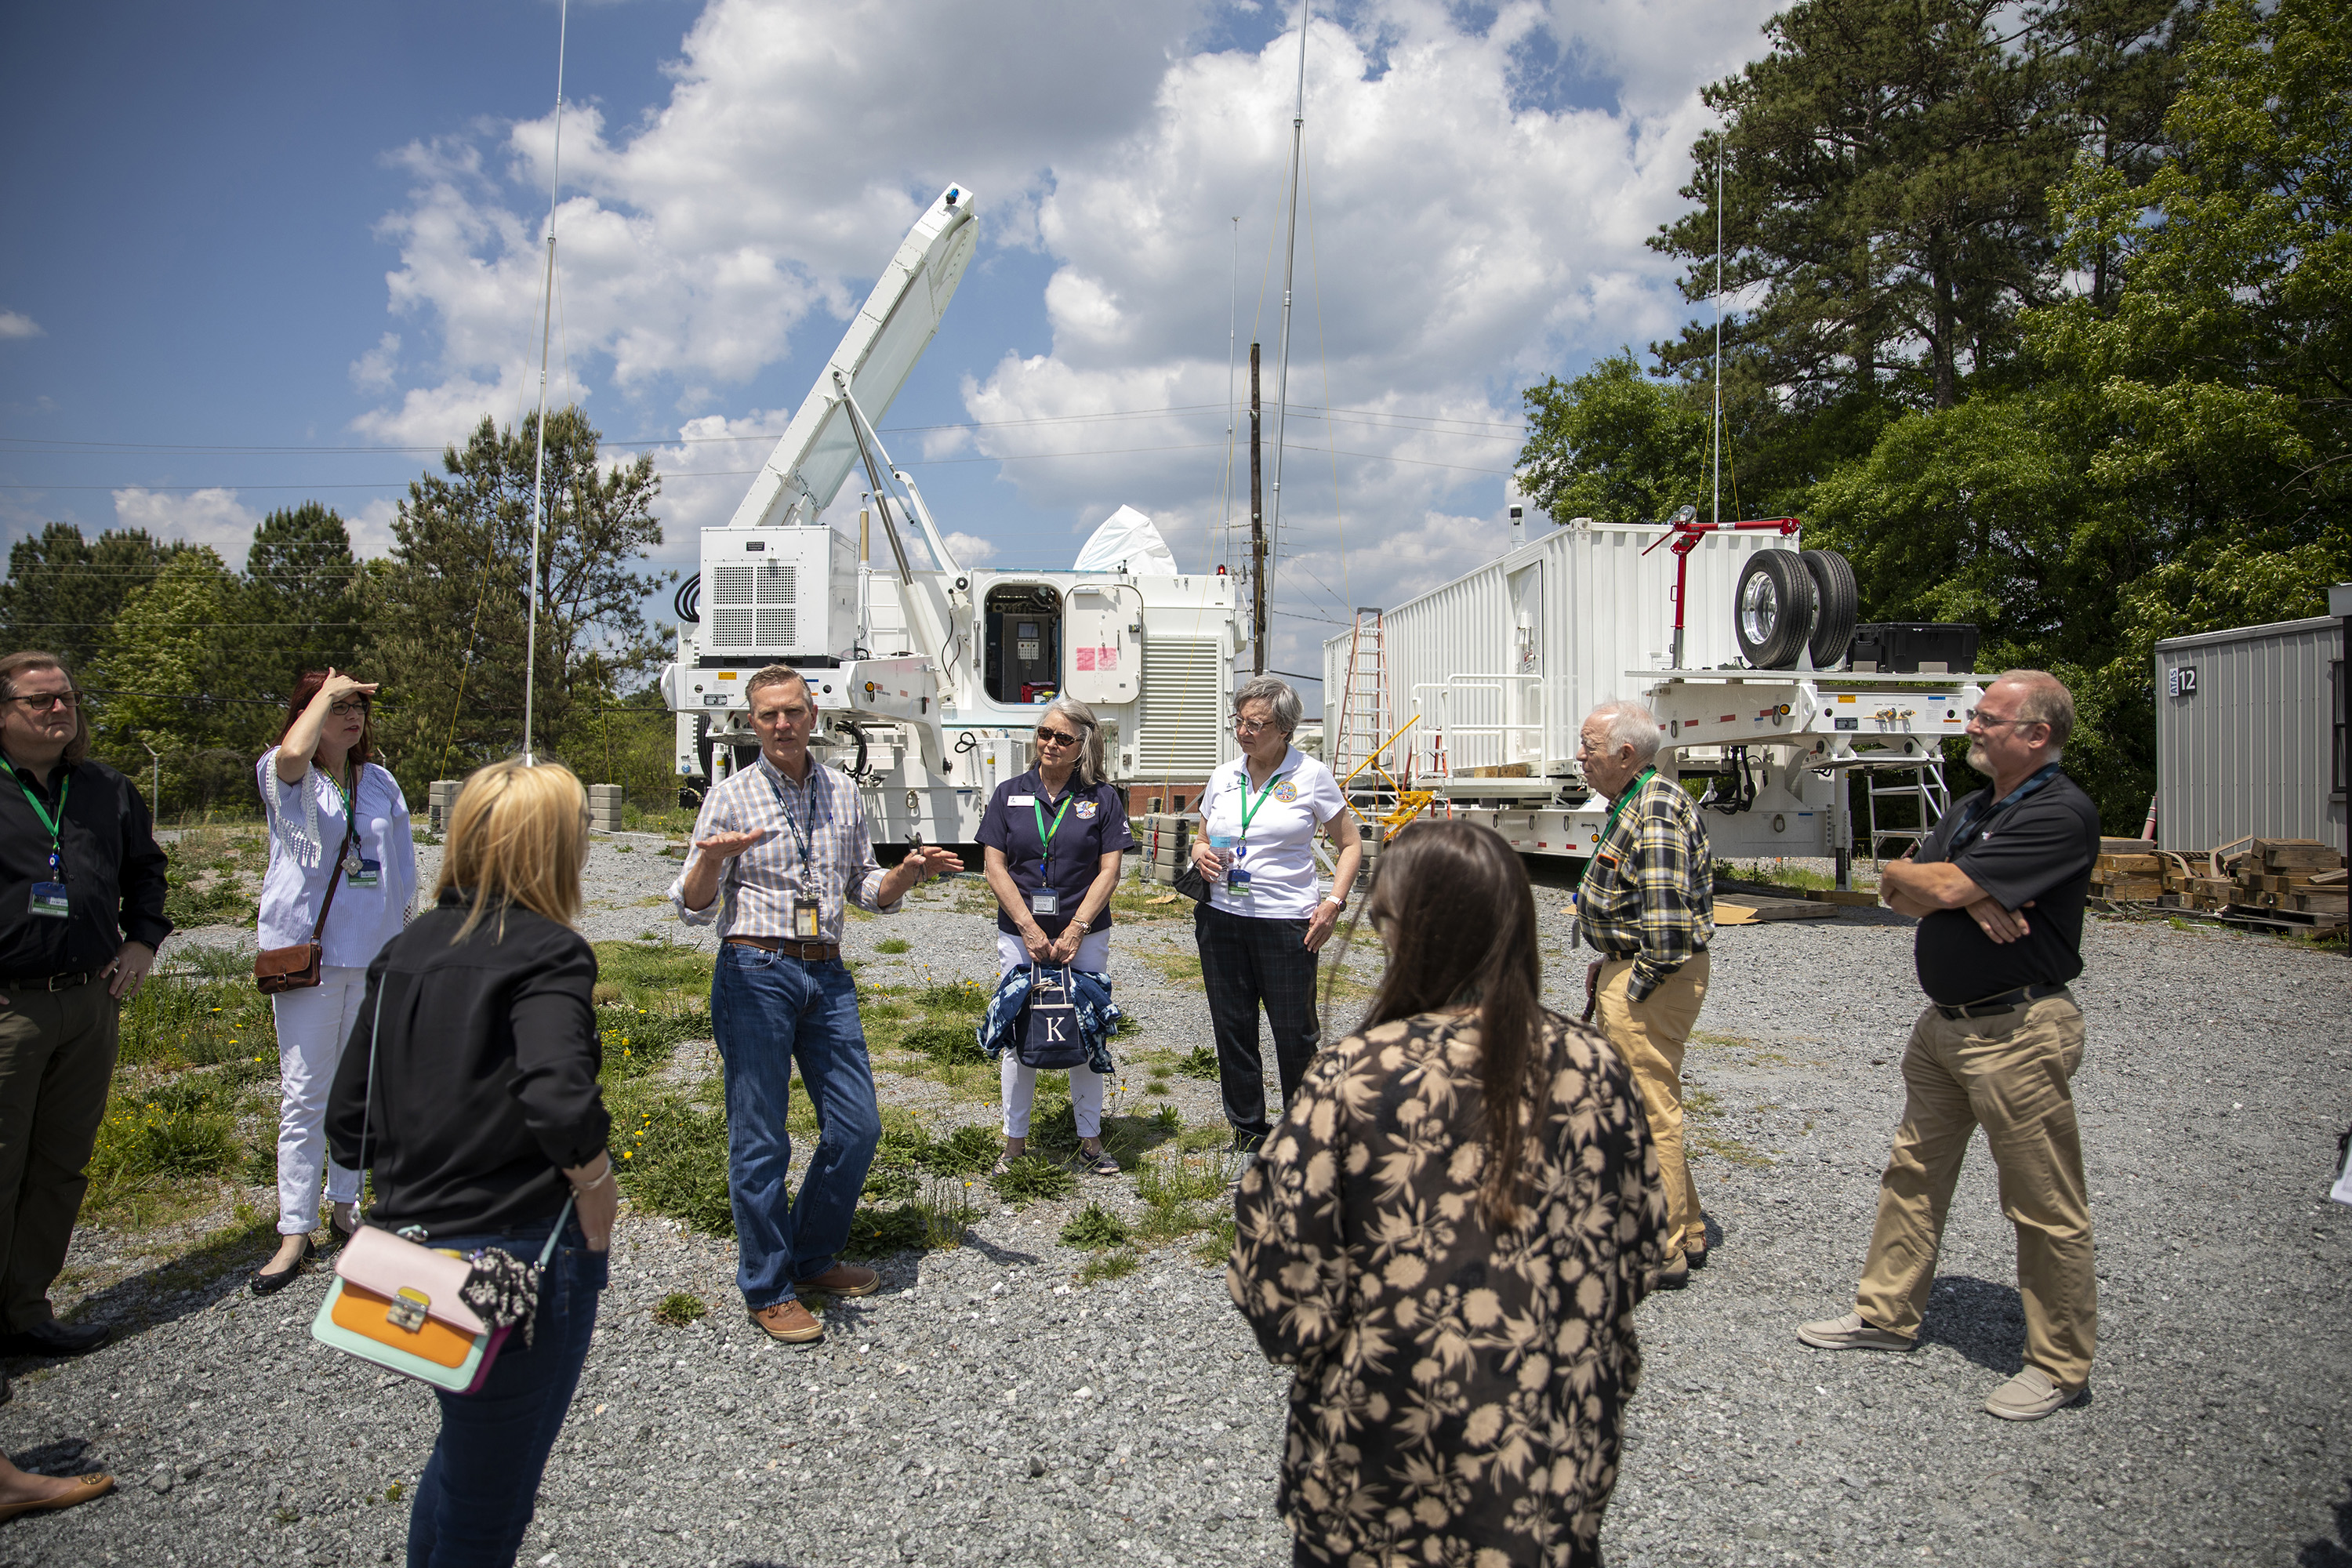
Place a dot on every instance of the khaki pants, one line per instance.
(56, 1057)
(1650, 1035)
(2011, 1073)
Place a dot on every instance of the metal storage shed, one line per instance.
(2249, 734)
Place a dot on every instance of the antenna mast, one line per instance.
(546, 331)
(1715, 436)
(1282, 363)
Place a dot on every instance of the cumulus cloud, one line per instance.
(1480, 186)
(15, 325)
(970, 549)
(214, 517)
(375, 370)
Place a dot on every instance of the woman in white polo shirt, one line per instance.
(337, 821)
(1267, 914)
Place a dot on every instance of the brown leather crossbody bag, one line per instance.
(295, 968)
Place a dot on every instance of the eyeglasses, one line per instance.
(42, 701)
(1246, 728)
(1055, 737)
(1979, 717)
(345, 709)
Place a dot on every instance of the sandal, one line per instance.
(1097, 1161)
(1003, 1166)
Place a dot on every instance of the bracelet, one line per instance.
(605, 1176)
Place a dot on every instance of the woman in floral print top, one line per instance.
(1453, 1275)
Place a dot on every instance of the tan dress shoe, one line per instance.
(789, 1322)
(843, 1279)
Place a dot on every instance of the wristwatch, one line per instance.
(1335, 898)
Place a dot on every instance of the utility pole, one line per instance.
(1257, 530)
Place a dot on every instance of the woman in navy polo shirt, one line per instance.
(1053, 838)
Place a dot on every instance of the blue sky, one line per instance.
(249, 242)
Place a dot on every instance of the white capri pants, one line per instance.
(1020, 1083)
(312, 1025)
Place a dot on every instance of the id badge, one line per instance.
(804, 916)
(369, 874)
(1045, 902)
(1237, 882)
(49, 901)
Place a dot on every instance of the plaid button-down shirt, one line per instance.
(1648, 893)
(756, 888)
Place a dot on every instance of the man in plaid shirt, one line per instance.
(1647, 905)
(778, 849)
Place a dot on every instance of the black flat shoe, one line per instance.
(268, 1284)
(53, 1339)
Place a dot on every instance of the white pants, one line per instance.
(1020, 1083)
(312, 1025)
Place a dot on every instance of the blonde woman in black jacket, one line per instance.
(483, 1118)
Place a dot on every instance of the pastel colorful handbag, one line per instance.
(402, 1306)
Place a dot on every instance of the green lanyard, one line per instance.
(1045, 834)
(54, 824)
(1249, 806)
(1625, 800)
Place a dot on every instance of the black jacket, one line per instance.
(485, 1074)
(113, 872)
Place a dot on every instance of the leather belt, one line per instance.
(49, 982)
(2008, 1001)
(813, 952)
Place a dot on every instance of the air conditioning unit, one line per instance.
(777, 594)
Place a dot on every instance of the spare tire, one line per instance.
(1834, 590)
(1774, 611)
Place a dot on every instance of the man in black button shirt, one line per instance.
(1999, 889)
(81, 914)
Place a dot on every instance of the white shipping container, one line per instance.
(1504, 663)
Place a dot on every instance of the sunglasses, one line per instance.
(1055, 737)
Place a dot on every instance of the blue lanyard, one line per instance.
(1962, 836)
(801, 836)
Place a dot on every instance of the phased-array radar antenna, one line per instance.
(819, 447)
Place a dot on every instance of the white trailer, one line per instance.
(1484, 683)
(929, 678)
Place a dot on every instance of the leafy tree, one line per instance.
(63, 592)
(450, 607)
(1885, 170)
(300, 599)
(166, 677)
(1614, 444)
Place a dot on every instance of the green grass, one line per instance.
(1031, 1178)
(949, 1043)
(1219, 1245)
(1095, 1229)
(1199, 1062)
(892, 944)
(677, 1308)
(1179, 967)
(190, 1018)
(1180, 1178)
(179, 1129)
(966, 998)
(674, 1161)
(1108, 1266)
(1136, 899)
(938, 1217)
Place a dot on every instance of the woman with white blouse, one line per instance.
(334, 817)
(1267, 914)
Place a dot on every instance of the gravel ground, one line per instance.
(988, 1408)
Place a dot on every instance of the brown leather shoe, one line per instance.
(843, 1279)
(790, 1324)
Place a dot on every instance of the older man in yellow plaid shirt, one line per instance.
(1647, 905)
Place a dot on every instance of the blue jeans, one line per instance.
(769, 1011)
(474, 1500)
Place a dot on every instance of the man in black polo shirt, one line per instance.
(81, 914)
(1999, 889)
